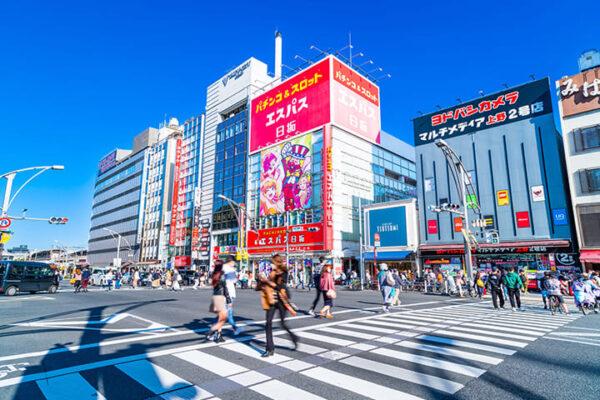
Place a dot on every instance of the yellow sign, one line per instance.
(502, 197)
(4, 237)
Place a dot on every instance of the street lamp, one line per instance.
(113, 233)
(10, 177)
(239, 210)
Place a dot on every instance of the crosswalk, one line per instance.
(419, 354)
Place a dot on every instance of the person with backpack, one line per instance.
(317, 284)
(513, 283)
(494, 284)
(479, 284)
(386, 285)
(230, 272)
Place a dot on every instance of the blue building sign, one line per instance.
(559, 216)
(390, 224)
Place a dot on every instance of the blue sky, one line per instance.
(78, 79)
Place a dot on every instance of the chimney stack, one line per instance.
(278, 55)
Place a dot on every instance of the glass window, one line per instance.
(587, 138)
(590, 180)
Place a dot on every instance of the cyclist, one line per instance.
(552, 286)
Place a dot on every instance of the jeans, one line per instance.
(497, 294)
(514, 295)
(230, 318)
(269, 325)
(317, 283)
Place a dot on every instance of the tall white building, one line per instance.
(579, 104)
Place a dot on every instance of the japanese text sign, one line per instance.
(432, 227)
(515, 104)
(295, 106)
(307, 237)
(580, 93)
(523, 219)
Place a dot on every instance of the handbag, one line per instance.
(389, 279)
(331, 294)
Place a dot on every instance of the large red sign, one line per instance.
(327, 184)
(307, 237)
(523, 219)
(355, 82)
(432, 227)
(295, 106)
(175, 201)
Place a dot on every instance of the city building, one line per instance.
(120, 195)
(185, 214)
(579, 105)
(161, 168)
(317, 153)
(224, 157)
(517, 187)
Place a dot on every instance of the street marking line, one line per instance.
(419, 378)
(277, 390)
(348, 332)
(381, 322)
(325, 339)
(156, 379)
(302, 347)
(296, 365)
(445, 332)
(450, 352)
(253, 352)
(249, 378)
(581, 341)
(430, 362)
(14, 299)
(491, 322)
(209, 362)
(68, 386)
(463, 343)
(482, 324)
(492, 334)
(358, 325)
(356, 385)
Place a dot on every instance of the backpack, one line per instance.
(480, 283)
(389, 279)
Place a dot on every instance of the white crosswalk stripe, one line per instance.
(419, 353)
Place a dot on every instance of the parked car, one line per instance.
(98, 277)
(26, 276)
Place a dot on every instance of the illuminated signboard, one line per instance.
(515, 104)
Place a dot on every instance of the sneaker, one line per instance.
(513, 309)
(329, 316)
(311, 312)
(238, 330)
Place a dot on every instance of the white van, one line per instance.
(98, 276)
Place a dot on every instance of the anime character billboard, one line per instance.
(286, 176)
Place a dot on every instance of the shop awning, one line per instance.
(591, 256)
(387, 255)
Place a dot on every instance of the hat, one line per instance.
(383, 266)
(295, 150)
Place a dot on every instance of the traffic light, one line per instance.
(58, 220)
(453, 206)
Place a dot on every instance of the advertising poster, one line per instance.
(297, 105)
(307, 237)
(502, 198)
(523, 219)
(389, 225)
(537, 193)
(432, 227)
(559, 216)
(286, 179)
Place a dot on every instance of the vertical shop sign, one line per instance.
(327, 158)
(432, 227)
(175, 200)
(458, 224)
(523, 219)
(502, 198)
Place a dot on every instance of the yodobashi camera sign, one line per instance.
(109, 161)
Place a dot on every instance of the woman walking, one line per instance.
(274, 297)
(218, 304)
(328, 288)
(77, 280)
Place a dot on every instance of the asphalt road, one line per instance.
(137, 344)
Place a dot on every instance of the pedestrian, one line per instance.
(196, 280)
(230, 273)
(513, 283)
(479, 284)
(85, 278)
(136, 278)
(155, 276)
(176, 280)
(542, 287)
(494, 284)
(218, 304)
(317, 283)
(450, 284)
(397, 288)
(77, 280)
(274, 298)
(552, 286)
(460, 281)
(301, 278)
(386, 285)
(368, 279)
(524, 279)
(109, 279)
(327, 285)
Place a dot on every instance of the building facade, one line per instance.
(509, 144)
(316, 154)
(579, 105)
(223, 158)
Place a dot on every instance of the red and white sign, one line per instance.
(355, 102)
(458, 224)
(432, 227)
(5, 223)
(175, 202)
(183, 261)
(523, 219)
(327, 184)
(295, 106)
(307, 237)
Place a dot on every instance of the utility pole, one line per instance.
(361, 244)
(468, 258)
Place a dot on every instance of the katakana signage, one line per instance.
(515, 104)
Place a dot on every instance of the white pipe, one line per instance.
(278, 54)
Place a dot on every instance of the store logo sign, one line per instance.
(559, 216)
(236, 73)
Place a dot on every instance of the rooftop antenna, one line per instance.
(350, 48)
(481, 93)
(505, 85)
(532, 76)
(313, 47)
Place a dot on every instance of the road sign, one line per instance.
(377, 240)
(5, 223)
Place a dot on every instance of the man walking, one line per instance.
(494, 284)
(230, 272)
(317, 283)
(513, 283)
(386, 285)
